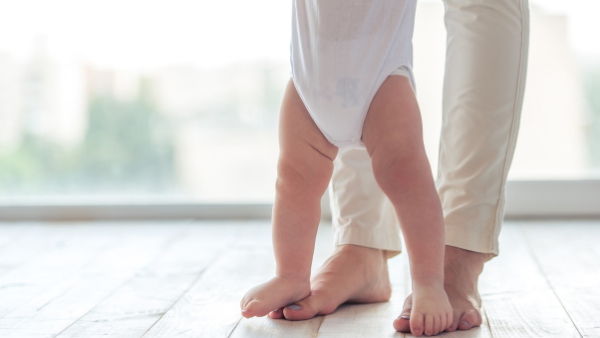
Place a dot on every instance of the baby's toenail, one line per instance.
(465, 323)
(405, 317)
(294, 307)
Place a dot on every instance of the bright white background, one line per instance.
(217, 69)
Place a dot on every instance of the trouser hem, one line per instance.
(471, 240)
(367, 237)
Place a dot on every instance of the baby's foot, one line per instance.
(431, 312)
(272, 295)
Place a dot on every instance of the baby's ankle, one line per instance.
(428, 282)
(293, 277)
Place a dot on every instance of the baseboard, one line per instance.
(524, 199)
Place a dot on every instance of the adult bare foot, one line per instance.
(461, 273)
(353, 274)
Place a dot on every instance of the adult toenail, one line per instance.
(294, 307)
(465, 323)
(405, 317)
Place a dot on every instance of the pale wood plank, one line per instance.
(265, 327)
(25, 241)
(52, 285)
(140, 302)
(77, 278)
(517, 298)
(32, 277)
(569, 255)
(211, 307)
(10, 231)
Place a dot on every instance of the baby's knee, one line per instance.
(397, 170)
(307, 180)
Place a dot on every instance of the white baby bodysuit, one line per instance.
(341, 52)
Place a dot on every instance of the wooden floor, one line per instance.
(185, 279)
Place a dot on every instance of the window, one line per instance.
(120, 99)
(171, 99)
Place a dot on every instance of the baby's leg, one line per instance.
(394, 139)
(303, 172)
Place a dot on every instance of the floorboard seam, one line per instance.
(539, 265)
(236, 325)
(487, 321)
(319, 328)
(194, 282)
(178, 299)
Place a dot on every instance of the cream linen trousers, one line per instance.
(486, 62)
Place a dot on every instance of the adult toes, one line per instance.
(469, 320)
(402, 323)
(455, 320)
(304, 309)
(277, 314)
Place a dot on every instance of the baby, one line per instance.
(352, 86)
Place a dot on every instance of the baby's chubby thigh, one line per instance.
(393, 118)
(392, 132)
(304, 150)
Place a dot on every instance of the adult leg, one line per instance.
(486, 61)
(361, 213)
(303, 172)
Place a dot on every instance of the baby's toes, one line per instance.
(440, 322)
(429, 325)
(449, 320)
(436, 325)
(443, 322)
(416, 324)
(255, 308)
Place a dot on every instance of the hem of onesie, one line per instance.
(338, 144)
(403, 70)
(388, 71)
(470, 240)
(367, 237)
(406, 72)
